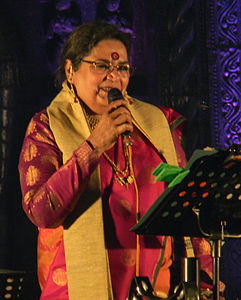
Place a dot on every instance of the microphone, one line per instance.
(113, 95)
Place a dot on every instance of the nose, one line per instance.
(113, 72)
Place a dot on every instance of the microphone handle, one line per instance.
(115, 94)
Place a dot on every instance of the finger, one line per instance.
(122, 118)
(116, 104)
(123, 128)
(121, 111)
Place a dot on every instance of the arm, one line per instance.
(50, 189)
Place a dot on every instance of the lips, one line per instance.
(106, 89)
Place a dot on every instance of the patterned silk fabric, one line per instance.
(51, 191)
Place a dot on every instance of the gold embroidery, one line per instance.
(44, 119)
(44, 138)
(30, 152)
(46, 132)
(32, 176)
(53, 199)
(39, 196)
(28, 196)
(205, 247)
(49, 160)
(31, 128)
(59, 277)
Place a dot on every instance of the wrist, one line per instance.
(94, 147)
(90, 144)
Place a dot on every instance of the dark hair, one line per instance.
(83, 39)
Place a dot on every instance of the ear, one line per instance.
(69, 70)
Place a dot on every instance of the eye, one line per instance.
(102, 67)
(123, 68)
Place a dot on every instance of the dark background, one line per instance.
(186, 54)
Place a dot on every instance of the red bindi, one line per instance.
(115, 55)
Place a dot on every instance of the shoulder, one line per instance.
(39, 129)
(170, 113)
(39, 120)
(41, 117)
(174, 119)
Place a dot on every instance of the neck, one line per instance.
(90, 112)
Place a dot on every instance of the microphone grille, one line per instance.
(114, 94)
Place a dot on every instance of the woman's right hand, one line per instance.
(114, 121)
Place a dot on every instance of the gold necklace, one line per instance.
(121, 176)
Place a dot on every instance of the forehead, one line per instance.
(105, 49)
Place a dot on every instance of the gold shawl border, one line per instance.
(86, 257)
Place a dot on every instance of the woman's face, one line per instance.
(93, 85)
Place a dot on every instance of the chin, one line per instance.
(102, 99)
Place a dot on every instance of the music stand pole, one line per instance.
(216, 254)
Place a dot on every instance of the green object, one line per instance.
(169, 173)
(166, 172)
(174, 174)
(179, 178)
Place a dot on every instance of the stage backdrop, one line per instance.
(186, 54)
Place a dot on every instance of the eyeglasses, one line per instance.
(106, 68)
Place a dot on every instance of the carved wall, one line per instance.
(223, 40)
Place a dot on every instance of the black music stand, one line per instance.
(21, 285)
(206, 203)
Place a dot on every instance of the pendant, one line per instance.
(125, 180)
(130, 179)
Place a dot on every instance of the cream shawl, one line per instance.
(86, 257)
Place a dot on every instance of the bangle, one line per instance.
(90, 144)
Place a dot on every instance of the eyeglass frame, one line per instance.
(131, 69)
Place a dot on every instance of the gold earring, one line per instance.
(70, 74)
(127, 97)
(73, 92)
(71, 84)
